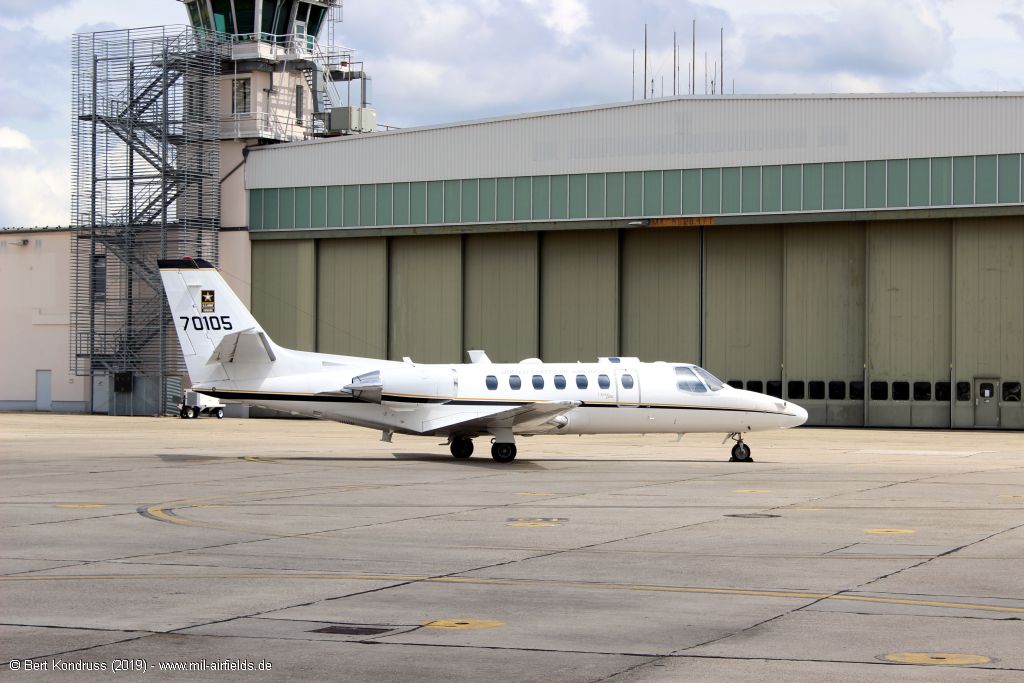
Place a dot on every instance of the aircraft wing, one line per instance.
(520, 419)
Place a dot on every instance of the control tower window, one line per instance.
(223, 17)
(241, 96)
(245, 17)
(267, 21)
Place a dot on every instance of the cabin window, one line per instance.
(515, 382)
(538, 382)
(942, 391)
(901, 391)
(581, 382)
(922, 391)
(836, 391)
(604, 382)
(559, 381)
(1011, 392)
(627, 381)
(492, 382)
(714, 384)
(755, 385)
(879, 391)
(816, 390)
(686, 380)
(796, 389)
(774, 388)
(857, 390)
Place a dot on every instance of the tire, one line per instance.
(219, 413)
(193, 412)
(461, 447)
(741, 453)
(503, 451)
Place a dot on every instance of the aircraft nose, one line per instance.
(799, 415)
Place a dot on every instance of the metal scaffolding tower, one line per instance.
(145, 185)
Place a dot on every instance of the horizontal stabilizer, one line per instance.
(478, 357)
(247, 346)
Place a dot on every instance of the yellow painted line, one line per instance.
(461, 624)
(161, 513)
(936, 658)
(807, 507)
(533, 524)
(750, 491)
(1013, 497)
(530, 493)
(81, 505)
(256, 458)
(475, 581)
(889, 531)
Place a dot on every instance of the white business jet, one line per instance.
(230, 357)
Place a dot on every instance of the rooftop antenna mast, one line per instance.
(693, 58)
(675, 60)
(645, 61)
(721, 60)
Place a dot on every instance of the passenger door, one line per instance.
(627, 384)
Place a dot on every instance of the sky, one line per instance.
(436, 61)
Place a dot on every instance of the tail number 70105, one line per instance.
(207, 322)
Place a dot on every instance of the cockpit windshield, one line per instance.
(686, 380)
(714, 384)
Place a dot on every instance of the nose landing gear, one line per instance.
(740, 451)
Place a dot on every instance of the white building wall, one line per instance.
(670, 133)
(35, 320)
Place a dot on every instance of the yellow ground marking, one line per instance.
(81, 505)
(889, 531)
(807, 507)
(475, 581)
(533, 524)
(751, 491)
(210, 506)
(1013, 497)
(947, 658)
(531, 493)
(256, 458)
(464, 623)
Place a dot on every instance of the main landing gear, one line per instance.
(502, 451)
(740, 451)
(461, 447)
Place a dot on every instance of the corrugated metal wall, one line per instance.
(824, 316)
(743, 302)
(909, 318)
(661, 294)
(828, 315)
(579, 295)
(352, 297)
(501, 295)
(425, 299)
(685, 132)
(284, 291)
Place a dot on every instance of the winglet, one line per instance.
(477, 356)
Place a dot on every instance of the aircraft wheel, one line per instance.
(741, 453)
(461, 447)
(219, 413)
(503, 451)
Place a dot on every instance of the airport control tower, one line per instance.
(161, 119)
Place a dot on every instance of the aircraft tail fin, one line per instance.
(212, 323)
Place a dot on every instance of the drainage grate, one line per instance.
(353, 630)
(752, 515)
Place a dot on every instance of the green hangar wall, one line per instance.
(841, 254)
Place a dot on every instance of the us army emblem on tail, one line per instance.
(206, 300)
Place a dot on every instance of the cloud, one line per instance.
(34, 194)
(564, 17)
(13, 139)
(26, 8)
(1016, 21)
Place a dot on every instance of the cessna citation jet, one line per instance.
(230, 357)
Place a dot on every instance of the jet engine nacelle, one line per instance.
(406, 384)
